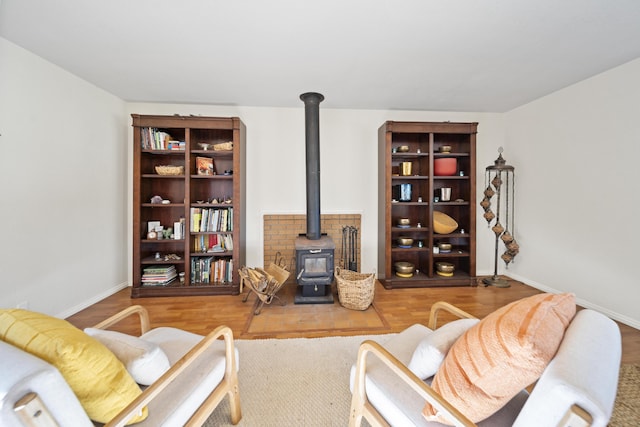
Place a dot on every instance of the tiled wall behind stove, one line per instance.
(280, 232)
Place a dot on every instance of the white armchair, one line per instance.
(577, 388)
(203, 370)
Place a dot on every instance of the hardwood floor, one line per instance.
(400, 308)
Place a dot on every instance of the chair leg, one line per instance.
(234, 404)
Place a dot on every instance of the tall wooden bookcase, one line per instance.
(423, 142)
(203, 255)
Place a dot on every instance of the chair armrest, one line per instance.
(584, 372)
(360, 406)
(134, 309)
(445, 306)
(157, 387)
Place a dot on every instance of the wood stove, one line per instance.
(314, 251)
(314, 264)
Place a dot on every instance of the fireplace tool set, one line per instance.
(349, 248)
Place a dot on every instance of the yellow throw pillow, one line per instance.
(99, 380)
(500, 356)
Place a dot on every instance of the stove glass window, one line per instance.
(315, 265)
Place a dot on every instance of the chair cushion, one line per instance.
(144, 360)
(177, 403)
(100, 381)
(504, 353)
(431, 351)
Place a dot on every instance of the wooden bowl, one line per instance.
(404, 267)
(445, 267)
(443, 223)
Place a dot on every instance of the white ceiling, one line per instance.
(452, 55)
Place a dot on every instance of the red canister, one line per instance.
(445, 166)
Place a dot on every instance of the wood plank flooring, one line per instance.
(400, 308)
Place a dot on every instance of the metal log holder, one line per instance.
(265, 283)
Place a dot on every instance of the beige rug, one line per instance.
(301, 382)
(304, 382)
(276, 319)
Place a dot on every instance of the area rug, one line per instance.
(626, 412)
(276, 319)
(294, 382)
(305, 382)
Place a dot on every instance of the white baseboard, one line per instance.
(634, 323)
(73, 310)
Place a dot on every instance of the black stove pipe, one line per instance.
(312, 102)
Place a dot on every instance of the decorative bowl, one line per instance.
(443, 223)
(403, 149)
(403, 221)
(405, 241)
(404, 275)
(445, 267)
(445, 149)
(205, 146)
(445, 166)
(404, 267)
(444, 247)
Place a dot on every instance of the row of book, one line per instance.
(213, 243)
(211, 219)
(159, 275)
(155, 139)
(207, 270)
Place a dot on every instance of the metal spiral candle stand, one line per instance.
(500, 182)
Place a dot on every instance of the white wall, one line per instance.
(348, 149)
(65, 192)
(63, 204)
(578, 195)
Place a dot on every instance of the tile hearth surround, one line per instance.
(280, 232)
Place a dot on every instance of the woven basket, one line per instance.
(170, 170)
(225, 146)
(355, 290)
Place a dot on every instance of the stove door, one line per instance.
(315, 267)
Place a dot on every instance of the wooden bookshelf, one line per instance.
(418, 146)
(208, 156)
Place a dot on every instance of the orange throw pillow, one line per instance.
(500, 356)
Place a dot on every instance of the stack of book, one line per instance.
(159, 275)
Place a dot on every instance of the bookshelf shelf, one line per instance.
(159, 264)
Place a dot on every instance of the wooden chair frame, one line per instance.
(228, 385)
(362, 408)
